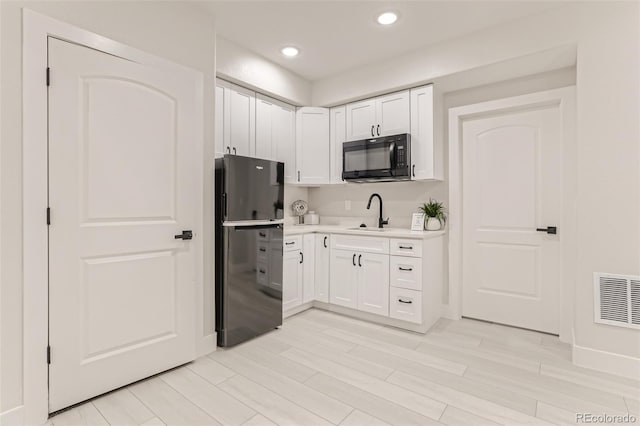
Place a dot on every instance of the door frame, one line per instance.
(565, 99)
(36, 29)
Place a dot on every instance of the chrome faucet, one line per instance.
(381, 222)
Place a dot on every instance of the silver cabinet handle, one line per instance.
(408, 302)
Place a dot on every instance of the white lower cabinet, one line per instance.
(291, 279)
(343, 285)
(308, 268)
(405, 304)
(322, 261)
(373, 283)
(360, 281)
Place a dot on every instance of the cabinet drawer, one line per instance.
(360, 244)
(262, 252)
(405, 304)
(293, 243)
(406, 247)
(406, 272)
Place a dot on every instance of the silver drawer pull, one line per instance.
(405, 301)
(406, 247)
(405, 269)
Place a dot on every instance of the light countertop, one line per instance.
(342, 229)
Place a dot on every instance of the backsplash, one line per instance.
(400, 200)
(291, 194)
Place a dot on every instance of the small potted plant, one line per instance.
(435, 215)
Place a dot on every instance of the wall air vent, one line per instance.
(617, 300)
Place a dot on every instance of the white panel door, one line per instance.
(308, 267)
(343, 286)
(291, 279)
(512, 184)
(338, 127)
(124, 165)
(284, 140)
(373, 283)
(361, 120)
(312, 145)
(425, 160)
(392, 114)
(242, 121)
(265, 127)
(322, 267)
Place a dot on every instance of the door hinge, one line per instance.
(48, 76)
(48, 215)
(48, 354)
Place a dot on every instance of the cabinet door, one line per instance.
(265, 112)
(291, 280)
(373, 283)
(284, 140)
(242, 121)
(308, 267)
(222, 116)
(361, 120)
(322, 267)
(343, 286)
(392, 114)
(338, 128)
(425, 161)
(312, 145)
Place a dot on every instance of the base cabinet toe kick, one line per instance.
(391, 281)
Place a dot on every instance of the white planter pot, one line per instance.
(433, 224)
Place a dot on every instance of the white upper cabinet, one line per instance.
(381, 116)
(392, 114)
(426, 155)
(312, 145)
(265, 111)
(284, 139)
(235, 119)
(361, 120)
(338, 128)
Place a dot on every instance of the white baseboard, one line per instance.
(13, 417)
(206, 345)
(609, 362)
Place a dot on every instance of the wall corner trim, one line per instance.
(608, 362)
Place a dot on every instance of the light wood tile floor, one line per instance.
(321, 368)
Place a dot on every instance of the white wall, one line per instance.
(246, 68)
(607, 39)
(172, 30)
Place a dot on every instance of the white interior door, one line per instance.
(123, 164)
(512, 182)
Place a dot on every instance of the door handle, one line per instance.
(186, 235)
(354, 259)
(325, 242)
(234, 151)
(378, 130)
(359, 257)
(301, 257)
(549, 230)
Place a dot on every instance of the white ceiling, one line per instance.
(334, 36)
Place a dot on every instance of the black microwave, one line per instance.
(386, 158)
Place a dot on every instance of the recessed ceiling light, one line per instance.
(290, 51)
(387, 18)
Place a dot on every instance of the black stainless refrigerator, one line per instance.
(249, 224)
